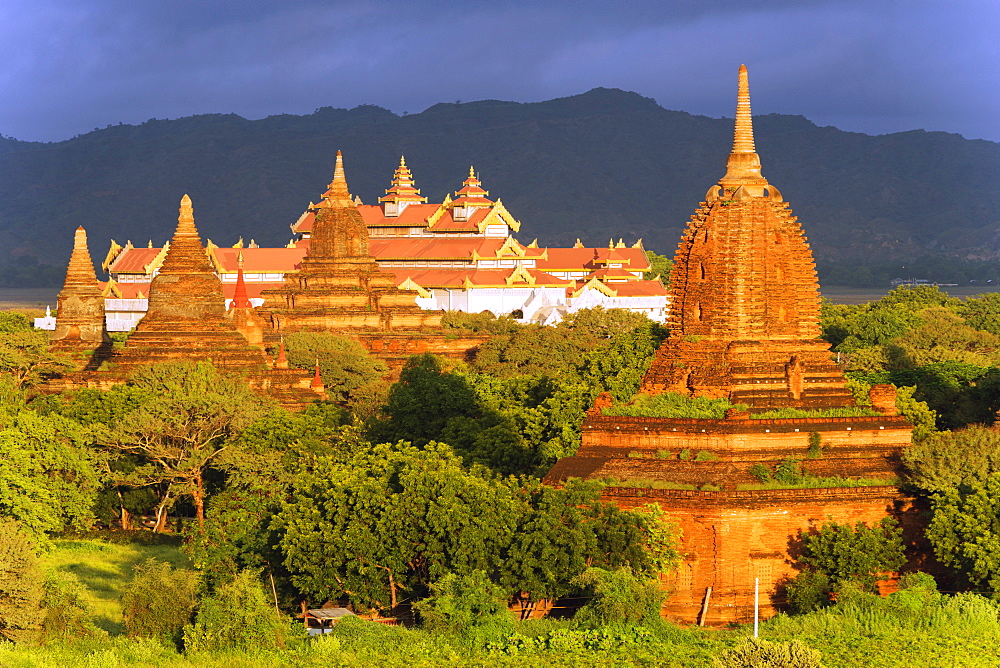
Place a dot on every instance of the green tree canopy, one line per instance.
(390, 520)
(965, 531)
(190, 415)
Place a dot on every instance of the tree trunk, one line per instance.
(198, 495)
(161, 514)
(126, 515)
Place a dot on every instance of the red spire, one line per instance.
(317, 382)
(282, 361)
(240, 298)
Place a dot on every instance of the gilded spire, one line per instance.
(337, 193)
(185, 254)
(743, 136)
(80, 271)
(472, 189)
(402, 189)
(743, 167)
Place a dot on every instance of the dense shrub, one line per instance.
(239, 616)
(757, 653)
(468, 605)
(159, 601)
(21, 584)
(619, 598)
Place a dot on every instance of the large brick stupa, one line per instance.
(744, 327)
(341, 289)
(187, 320)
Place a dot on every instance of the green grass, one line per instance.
(907, 629)
(817, 483)
(646, 483)
(104, 569)
(672, 405)
(843, 411)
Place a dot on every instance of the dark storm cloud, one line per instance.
(875, 66)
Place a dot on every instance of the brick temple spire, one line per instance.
(337, 194)
(743, 166)
(744, 320)
(80, 310)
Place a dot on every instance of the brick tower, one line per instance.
(187, 320)
(744, 326)
(80, 327)
(340, 288)
(744, 321)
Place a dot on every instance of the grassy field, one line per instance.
(104, 569)
(910, 628)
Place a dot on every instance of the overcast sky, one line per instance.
(872, 66)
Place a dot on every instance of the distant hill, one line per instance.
(607, 163)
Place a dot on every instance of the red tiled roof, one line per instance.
(260, 260)
(414, 215)
(455, 278)
(648, 288)
(641, 289)
(130, 290)
(457, 248)
(573, 259)
(133, 260)
(612, 274)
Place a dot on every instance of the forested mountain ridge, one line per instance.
(606, 163)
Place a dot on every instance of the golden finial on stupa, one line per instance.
(337, 193)
(185, 214)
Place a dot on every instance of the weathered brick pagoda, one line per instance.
(744, 327)
(340, 289)
(80, 326)
(187, 320)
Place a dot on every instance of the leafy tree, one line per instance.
(345, 366)
(965, 530)
(49, 474)
(469, 605)
(482, 323)
(659, 265)
(21, 584)
(947, 460)
(240, 616)
(192, 414)
(24, 351)
(392, 519)
(982, 313)
(423, 401)
(260, 470)
(619, 597)
(858, 553)
(159, 601)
